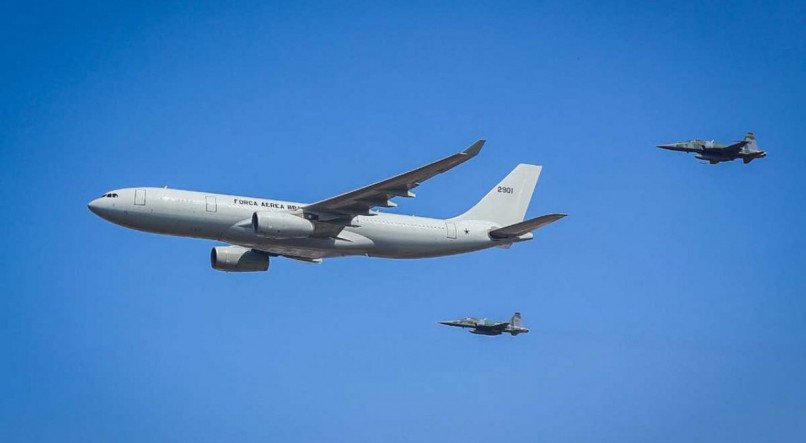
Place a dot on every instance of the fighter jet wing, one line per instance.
(736, 147)
(493, 327)
(360, 201)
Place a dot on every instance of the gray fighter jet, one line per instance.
(746, 149)
(482, 326)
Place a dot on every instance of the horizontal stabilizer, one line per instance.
(524, 227)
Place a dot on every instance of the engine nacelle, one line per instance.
(238, 259)
(281, 225)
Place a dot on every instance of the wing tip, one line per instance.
(551, 218)
(475, 148)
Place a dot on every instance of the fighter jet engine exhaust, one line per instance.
(238, 259)
(281, 225)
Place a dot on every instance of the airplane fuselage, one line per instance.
(227, 218)
(716, 157)
(509, 330)
(747, 150)
(484, 327)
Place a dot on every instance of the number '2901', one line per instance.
(506, 189)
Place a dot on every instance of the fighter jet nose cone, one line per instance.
(667, 146)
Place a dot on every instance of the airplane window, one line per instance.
(114, 196)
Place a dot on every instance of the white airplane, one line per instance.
(344, 225)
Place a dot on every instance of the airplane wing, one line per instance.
(524, 227)
(736, 147)
(360, 201)
(493, 327)
(316, 261)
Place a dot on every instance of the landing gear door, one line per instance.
(140, 197)
(211, 204)
(451, 229)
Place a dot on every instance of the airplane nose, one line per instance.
(667, 146)
(95, 207)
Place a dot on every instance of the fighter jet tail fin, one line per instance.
(516, 320)
(750, 138)
(506, 203)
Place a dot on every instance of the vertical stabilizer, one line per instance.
(506, 203)
(516, 320)
(750, 138)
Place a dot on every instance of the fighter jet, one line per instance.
(746, 149)
(482, 326)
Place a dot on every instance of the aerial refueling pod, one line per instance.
(281, 225)
(238, 259)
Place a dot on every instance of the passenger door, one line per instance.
(140, 197)
(211, 204)
(451, 229)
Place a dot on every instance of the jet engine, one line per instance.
(238, 259)
(281, 225)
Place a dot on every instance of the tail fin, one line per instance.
(506, 203)
(516, 320)
(750, 138)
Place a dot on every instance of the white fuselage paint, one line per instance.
(228, 218)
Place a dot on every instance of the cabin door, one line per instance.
(140, 197)
(211, 205)
(451, 229)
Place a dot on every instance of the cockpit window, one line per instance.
(110, 195)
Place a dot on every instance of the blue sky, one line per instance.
(668, 306)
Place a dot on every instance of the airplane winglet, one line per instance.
(474, 149)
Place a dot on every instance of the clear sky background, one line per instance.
(669, 306)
